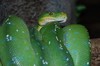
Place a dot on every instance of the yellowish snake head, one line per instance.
(52, 17)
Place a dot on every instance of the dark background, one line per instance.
(90, 17)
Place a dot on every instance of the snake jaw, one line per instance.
(64, 20)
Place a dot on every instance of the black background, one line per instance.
(91, 17)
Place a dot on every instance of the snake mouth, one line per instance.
(62, 21)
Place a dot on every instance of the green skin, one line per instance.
(15, 45)
(76, 39)
(35, 41)
(54, 54)
(0, 64)
(52, 17)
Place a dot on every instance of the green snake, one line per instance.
(52, 17)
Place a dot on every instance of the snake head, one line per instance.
(52, 17)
